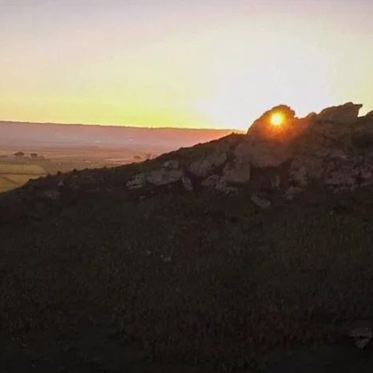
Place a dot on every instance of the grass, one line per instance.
(14, 175)
(193, 276)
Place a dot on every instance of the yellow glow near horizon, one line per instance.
(277, 119)
(182, 64)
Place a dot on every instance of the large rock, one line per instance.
(261, 153)
(211, 181)
(164, 176)
(237, 172)
(171, 164)
(260, 201)
(136, 182)
(304, 169)
(363, 141)
(262, 127)
(187, 183)
(347, 113)
(207, 165)
(217, 182)
(347, 174)
(362, 136)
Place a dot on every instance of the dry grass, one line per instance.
(194, 276)
(21, 169)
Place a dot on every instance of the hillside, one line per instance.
(49, 148)
(221, 255)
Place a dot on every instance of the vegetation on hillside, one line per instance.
(195, 276)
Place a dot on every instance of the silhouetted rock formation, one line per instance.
(347, 113)
(332, 148)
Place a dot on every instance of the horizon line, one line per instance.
(235, 130)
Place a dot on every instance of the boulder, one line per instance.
(218, 182)
(136, 182)
(347, 113)
(298, 174)
(207, 165)
(292, 191)
(237, 172)
(223, 187)
(304, 169)
(362, 136)
(363, 141)
(262, 127)
(261, 153)
(171, 164)
(341, 175)
(211, 181)
(164, 176)
(187, 183)
(260, 202)
(275, 181)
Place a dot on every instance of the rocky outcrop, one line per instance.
(237, 172)
(260, 202)
(262, 127)
(157, 178)
(169, 173)
(207, 165)
(136, 182)
(345, 114)
(187, 183)
(261, 153)
(171, 164)
(333, 149)
(163, 177)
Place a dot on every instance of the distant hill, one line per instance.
(70, 135)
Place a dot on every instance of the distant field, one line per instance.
(5, 185)
(15, 175)
(21, 169)
(16, 171)
(9, 182)
(51, 148)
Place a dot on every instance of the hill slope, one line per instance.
(216, 253)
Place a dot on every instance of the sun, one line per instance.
(277, 119)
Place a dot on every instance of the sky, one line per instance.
(181, 63)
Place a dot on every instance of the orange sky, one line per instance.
(212, 63)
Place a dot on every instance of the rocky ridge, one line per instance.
(333, 149)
